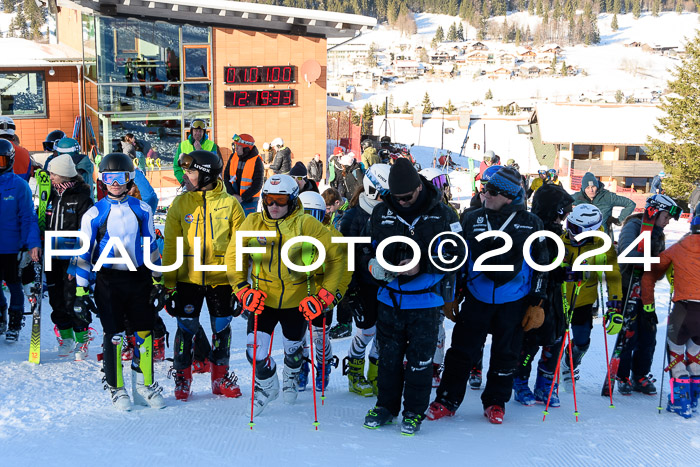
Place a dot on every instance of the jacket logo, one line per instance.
(479, 220)
(262, 240)
(520, 226)
(8, 198)
(189, 218)
(222, 207)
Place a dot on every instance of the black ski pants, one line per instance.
(411, 334)
(638, 353)
(62, 297)
(474, 322)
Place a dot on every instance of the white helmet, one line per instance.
(376, 180)
(313, 204)
(7, 126)
(348, 159)
(266, 146)
(437, 177)
(281, 185)
(583, 218)
(277, 142)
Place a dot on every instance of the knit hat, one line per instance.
(403, 177)
(507, 181)
(63, 165)
(589, 180)
(299, 170)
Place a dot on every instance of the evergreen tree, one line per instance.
(637, 9)
(450, 109)
(617, 6)
(679, 150)
(619, 96)
(609, 6)
(655, 7)
(368, 118)
(488, 96)
(460, 32)
(614, 24)
(564, 70)
(679, 7)
(531, 7)
(427, 105)
(439, 35)
(8, 6)
(518, 38)
(405, 109)
(452, 33)
(371, 60)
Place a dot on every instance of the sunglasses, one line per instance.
(491, 191)
(198, 124)
(441, 181)
(403, 198)
(120, 178)
(275, 199)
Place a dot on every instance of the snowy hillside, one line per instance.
(57, 414)
(606, 67)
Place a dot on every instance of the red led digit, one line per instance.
(254, 75)
(287, 74)
(265, 97)
(287, 98)
(275, 69)
(276, 97)
(242, 100)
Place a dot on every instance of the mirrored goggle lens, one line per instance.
(319, 214)
(199, 124)
(279, 200)
(441, 181)
(5, 161)
(120, 178)
(675, 212)
(236, 139)
(48, 145)
(298, 177)
(185, 161)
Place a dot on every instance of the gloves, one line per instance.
(650, 314)
(614, 220)
(252, 300)
(236, 307)
(313, 305)
(171, 300)
(534, 317)
(450, 310)
(158, 293)
(379, 273)
(336, 299)
(650, 308)
(83, 305)
(613, 318)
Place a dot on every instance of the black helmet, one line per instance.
(52, 138)
(7, 156)
(367, 143)
(207, 163)
(118, 162)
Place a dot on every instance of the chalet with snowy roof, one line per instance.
(407, 68)
(501, 73)
(507, 59)
(528, 56)
(478, 58)
(478, 46)
(608, 140)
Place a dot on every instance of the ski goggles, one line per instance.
(48, 145)
(275, 199)
(198, 124)
(120, 178)
(298, 178)
(441, 181)
(5, 161)
(187, 162)
(541, 172)
(319, 214)
(675, 212)
(243, 142)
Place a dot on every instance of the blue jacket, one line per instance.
(19, 228)
(148, 194)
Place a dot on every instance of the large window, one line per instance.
(23, 94)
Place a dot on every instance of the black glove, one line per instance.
(172, 301)
(236, 308)
(83, 305)
(158, 293)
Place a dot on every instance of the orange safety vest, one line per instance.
(246, 176)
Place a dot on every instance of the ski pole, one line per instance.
(257, 259)
(571, 365)
(307, 255)
(313, 385)
(663, 364)
(601, 300)
(323, 364)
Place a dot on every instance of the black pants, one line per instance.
(363, 305)
(638, 354)
(412, 334)
(344, 312)
(547, 363)
(468, 336)
(62, 297)
(190, 335)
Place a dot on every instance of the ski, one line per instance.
(76, 129)
(43, 183)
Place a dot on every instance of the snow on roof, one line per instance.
(597, 124)
(22, 52)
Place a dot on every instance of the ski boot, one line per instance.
(411, 423)
(290, 384)
(340, 330)
(148, 396)
(679, 400)
(3, 320)
(304, 376)
(437, 370)
(495, 414)
(475, 379)
(645, 385)
(82, 340)
(120, 398)
(378, 416)
(266, 390)
(354, 368)
(566, 374)
(373, 374)
(15, 325)
(440, 408)
(199, 366)
(223, 382)
(694, 392)
(66, 342)
(183, 383)
(321, 379)
(543, 385)
(624, 386)
(128, 348)
(522, 392)
(159, 349)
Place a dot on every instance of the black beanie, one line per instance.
(299, 170)
(403, 177)
(508, 181)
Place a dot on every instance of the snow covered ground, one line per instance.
(57, 413)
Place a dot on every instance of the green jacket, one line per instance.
(370, 157)
(604, 200)
(186, 147)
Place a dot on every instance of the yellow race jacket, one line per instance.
(589, 289)
(284, 287)
(213, 216)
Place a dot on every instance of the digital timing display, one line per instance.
(266, 98)
(259, 74)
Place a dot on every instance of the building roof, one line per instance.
(20, 53)
(295, 21)
(597, 124)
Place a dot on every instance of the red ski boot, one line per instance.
(183, 383)
(199, 366)
(438, 410)
(224, 383)
(159, 349)
(495, 414)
